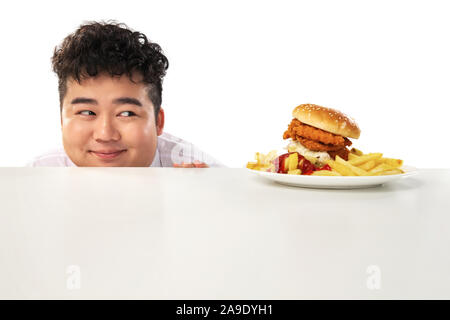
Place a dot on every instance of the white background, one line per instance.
(237, 69)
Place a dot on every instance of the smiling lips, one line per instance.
(107, 154)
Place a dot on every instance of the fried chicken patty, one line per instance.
(343, 153)
(316, 139)
(316, 145)
(299, 129)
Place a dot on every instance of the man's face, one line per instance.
(109, 122)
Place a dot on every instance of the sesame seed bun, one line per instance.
(327, 119)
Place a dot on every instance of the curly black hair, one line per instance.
(111, 47)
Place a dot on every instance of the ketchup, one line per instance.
(279, 163)
(304, 164)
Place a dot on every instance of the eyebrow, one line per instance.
(118, 101)
(84, 100)
(128, 100)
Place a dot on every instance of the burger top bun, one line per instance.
(327, 119)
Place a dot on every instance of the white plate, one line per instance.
(333, 182)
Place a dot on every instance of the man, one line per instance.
(110, 86)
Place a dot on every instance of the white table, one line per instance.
(219, 234)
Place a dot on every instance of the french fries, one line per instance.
(357, 160)
(360, 164)
(357, 171)
(340, 168)
(325, 173)
(356, 152)
(263, 161)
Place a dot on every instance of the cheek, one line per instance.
(139, 134)
(76, 132)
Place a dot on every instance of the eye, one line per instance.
(127, 114)
(86, 113)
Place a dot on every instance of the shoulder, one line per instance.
(173, 149)
(52, 158)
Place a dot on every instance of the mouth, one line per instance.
(107, 154)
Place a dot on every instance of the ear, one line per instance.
(160, 122)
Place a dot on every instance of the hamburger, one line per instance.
(320, 134)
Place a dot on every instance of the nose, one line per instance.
(105, 130)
